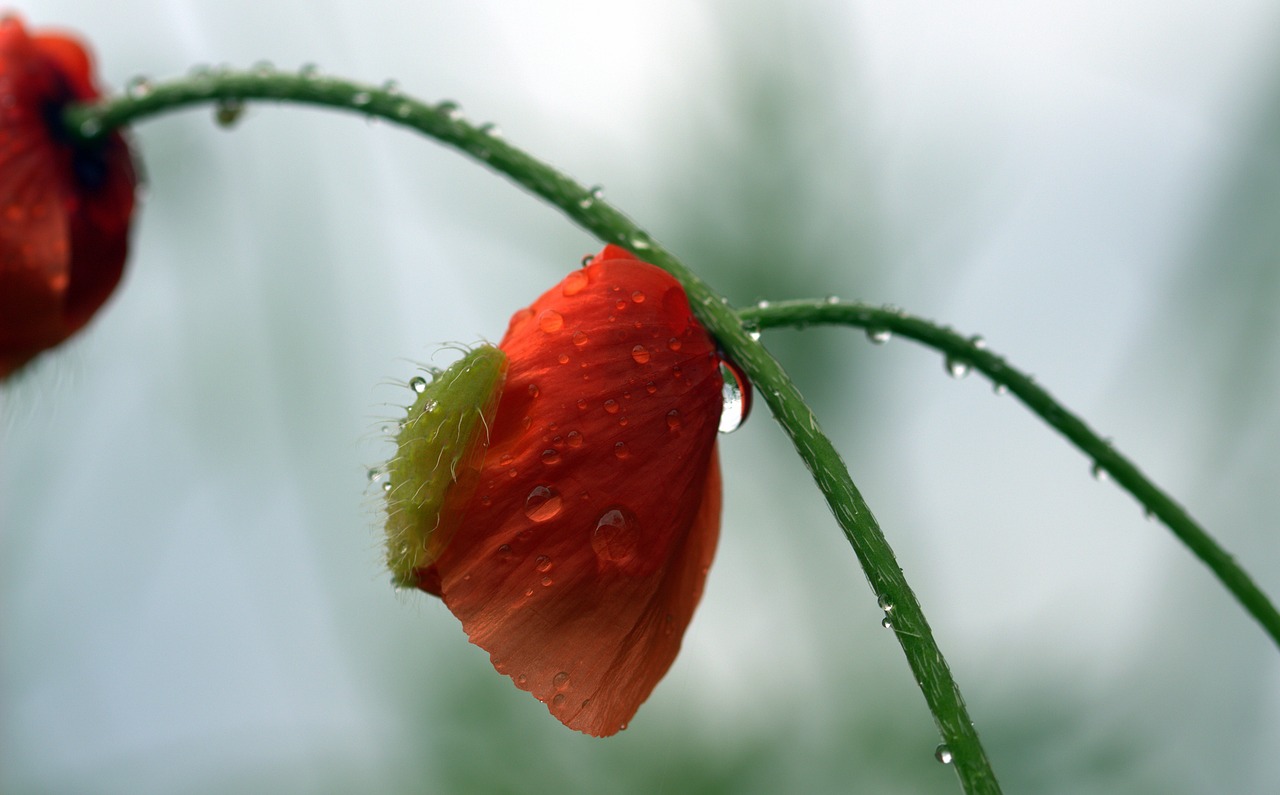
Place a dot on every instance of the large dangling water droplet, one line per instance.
(943, 754)
(736, 393)
(878, 336)
(617, 535)
(542, 504)
(418, 384)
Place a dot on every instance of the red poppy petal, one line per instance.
(583, 552)
(65, 209)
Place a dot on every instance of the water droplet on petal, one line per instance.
(574, 283)
(542, 504)
(640, 354)
(617, 535)
(418, 384)
(673, 420)
(611, 406)
(673, 344)
(582, 404)
(943, 754)
(580, 338)
(558, 700)
(522, 680)
(574, 438)
(878, 336)
(560, 680)
(542, 563)
(621, 451)
(638, 297)
(533, 390)
(550, 321)
(550, 456)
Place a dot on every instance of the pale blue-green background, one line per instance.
(191, 598)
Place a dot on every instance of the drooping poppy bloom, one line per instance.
(65, 206)
(561, 492)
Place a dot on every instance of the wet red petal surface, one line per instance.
(584, 550)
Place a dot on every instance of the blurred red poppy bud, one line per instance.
(65, 206)
(561, 492)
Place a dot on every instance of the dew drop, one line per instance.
(621, 450)
(558, 700)
(832, 299)
(999, 388)
(617, 535)
(522, 680)
(574, 438)
(550, 456)
(736, 394)
(943, 754)
(418, 384)
(582, 404)
(597, 192)
(138, 87)
(673, 420)
(650, 387)
(404, 110)
(638, 297)
(560, 680)
(309, 71)
(640, 354)
(611, 406)
(978, 342)
(886, 604)
(886, 622)
(528, 592)
(956, 368)
(574, 283)
(90, 127)
(504, 551)
(762, 304)
(1099, 472)
(550, 321)
(542, 504)
(641, 243)
(490, 129)
(374, 474)
(386, 486)
(361, 98)
(543, 563)
(534, 391)
(391, 87)
(580, 338)
(878, 336)
(450, 109)
(228, 111)
(588, 259)
(563, 358)
(547, 582)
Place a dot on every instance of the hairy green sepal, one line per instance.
(439, 452)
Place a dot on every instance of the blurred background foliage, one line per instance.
(191, 597)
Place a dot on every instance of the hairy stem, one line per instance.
(963, 353)
(588, 209)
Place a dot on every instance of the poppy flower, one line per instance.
(65, 206)
(561, 492)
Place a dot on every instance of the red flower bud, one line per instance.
(575, 545)
(64, 206)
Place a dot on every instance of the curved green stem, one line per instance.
(586, 208)
(963, 353)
